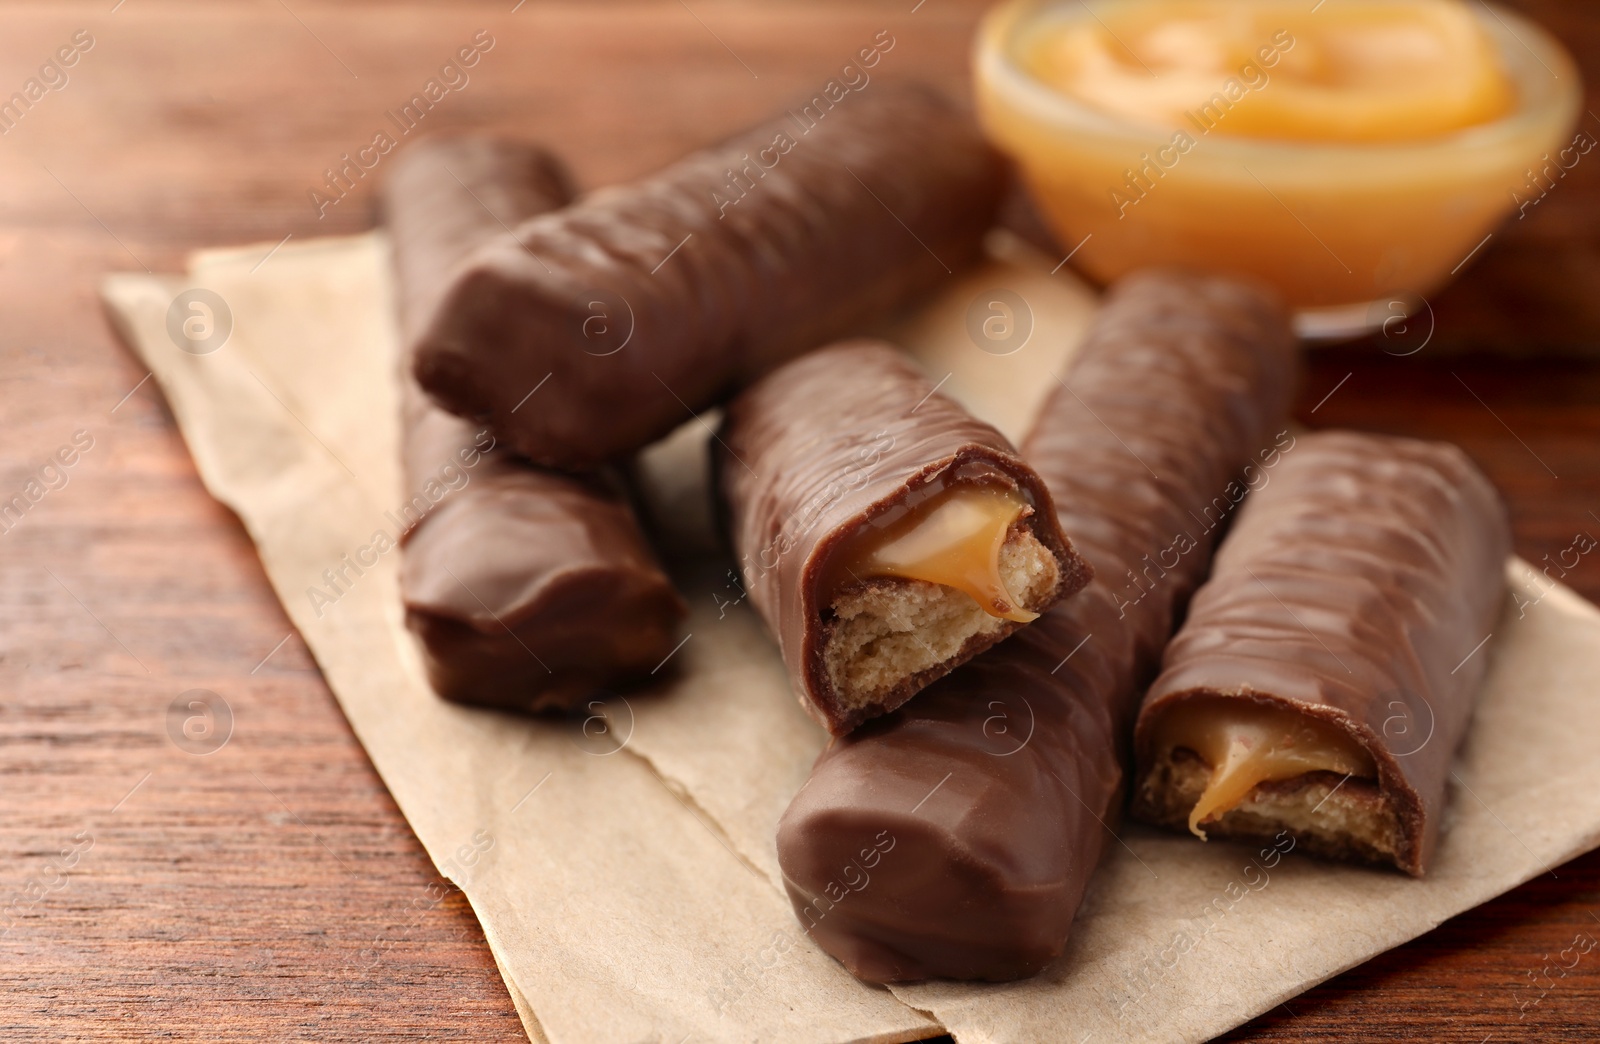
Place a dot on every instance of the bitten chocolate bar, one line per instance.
(526, 588)
(1327, 670)
(965, 826)
(600, 328)
(884, 534)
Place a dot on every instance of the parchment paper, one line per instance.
(622, 864)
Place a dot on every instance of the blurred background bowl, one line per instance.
(1342, 229)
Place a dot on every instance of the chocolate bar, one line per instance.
(446, 196)
(526, 588)
(884, 534)
(1327, 670)
(955, 837)
(600, 328)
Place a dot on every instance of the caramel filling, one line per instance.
(952, 539)
(1246, 743)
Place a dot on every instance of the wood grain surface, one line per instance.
(269, 889)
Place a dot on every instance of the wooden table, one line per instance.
(270, 889)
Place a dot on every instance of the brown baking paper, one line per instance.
(622, 863)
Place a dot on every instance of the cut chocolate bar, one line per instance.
(884, 534)
(526, 588)
(1326, 672)
(981, 806)
(644, 302)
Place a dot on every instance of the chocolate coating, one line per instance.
(529, 589)
(1355, 589)
(525, 588)
(445, 196)
(831, 446)
(646, 301)
(995, 783)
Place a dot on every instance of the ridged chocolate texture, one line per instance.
(830, 447)
(645, 301)
(995, 783)
(526, 588)
(1356, 589)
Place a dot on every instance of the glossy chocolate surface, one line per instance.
(1357, 589)
(831, 447)
(644, 302)
(996, 783)
(526, 588)
(445, 196)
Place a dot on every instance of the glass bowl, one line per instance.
(1341, 229)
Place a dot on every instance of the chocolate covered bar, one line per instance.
(446, 196)
(955, 837)
(525, 588)
(600, 328)
(1326, 673)
(884, 534)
